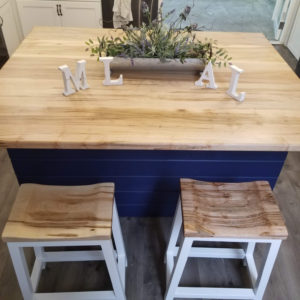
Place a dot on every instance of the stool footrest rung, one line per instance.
(205, 252)
(94, 295)
(214, 293)
(63, 256)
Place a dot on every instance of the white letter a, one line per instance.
(208, 74)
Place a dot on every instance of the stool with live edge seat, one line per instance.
(229, 213)
(61, 216)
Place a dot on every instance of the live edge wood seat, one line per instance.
(66, 216)
(245, 210)
(44, 212)
(243, 213)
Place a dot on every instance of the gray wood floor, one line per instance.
(146, 239)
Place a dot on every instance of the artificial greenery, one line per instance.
(158, 40)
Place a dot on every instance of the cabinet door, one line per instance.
(81, 14)
(38, 13)
(9, 28)
(294, 40)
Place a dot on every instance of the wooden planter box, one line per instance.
(120, 64)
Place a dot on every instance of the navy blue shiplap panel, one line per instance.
(134, 183)
(146, 155)
(147, 182)
(184, 168)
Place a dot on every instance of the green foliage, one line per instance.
(157, 40)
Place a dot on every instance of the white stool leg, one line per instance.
(118, 237)
(176, 226)
(251, 263)
(38, 266)
(21, 269)
(39, 253)
(183, 254)
(262, 284)
(111, 263)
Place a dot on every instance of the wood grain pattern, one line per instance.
(151, 111)
(239, 210)
(44, 212)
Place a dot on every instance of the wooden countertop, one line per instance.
(149, 111)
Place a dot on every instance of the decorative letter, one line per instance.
(207, 74)
(81, 74)
(108, 81)
(79, 81)
(236, 72)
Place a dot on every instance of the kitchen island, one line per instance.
(151, 131)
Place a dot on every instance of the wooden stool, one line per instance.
(224, 212)
(54, 216)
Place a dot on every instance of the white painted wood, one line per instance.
(38, 266)
(185, 250)
(81, 14)
(79, 80)
(251, 263)
(103, 295)
(29, 284)
(289, 22)
(207, 74)
(21, 269)
(39, 253)
(113, 270)
(294, 39)
(119, 242)
(36, 273)
(89, 255)
(235, 74)
(233, 240)
(81, 74)
(172, 249)
(9, 27)
(59, 13)
(68, 79)
(207, 252)
(268, 267)
(279, 16)
(38, 13)
(116, 262)
(107, 81)
(178, 268)
(259, 286)
(214, 293)
(277, 8)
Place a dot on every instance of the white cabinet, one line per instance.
(81, 14)
(59, 13)
(9, 27)
(37, 13)
(294, 39)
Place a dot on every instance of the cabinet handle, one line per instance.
(60, 9)
(1, 21)
(57, 10)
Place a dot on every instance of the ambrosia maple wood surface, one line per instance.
(43, 212)
(150, 111)
(230, 210)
